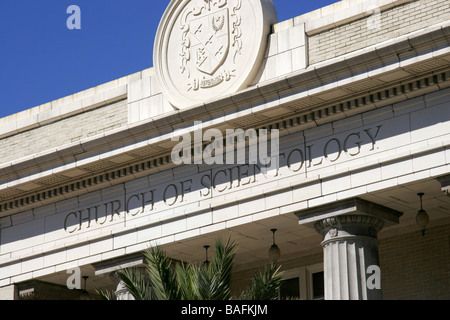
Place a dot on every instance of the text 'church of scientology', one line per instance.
(328, 134)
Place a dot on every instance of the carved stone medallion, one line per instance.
(205, 49)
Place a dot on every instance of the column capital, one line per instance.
(349, 225)
(353, 211)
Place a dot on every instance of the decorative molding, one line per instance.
(386, 95)
(332, 224)
(346, 212)
(141, 167)
(303, 99)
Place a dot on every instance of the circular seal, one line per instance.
(205, 49)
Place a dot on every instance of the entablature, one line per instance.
(367, 79)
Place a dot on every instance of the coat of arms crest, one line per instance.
(205, 49)
(209, 30)
(210, 40)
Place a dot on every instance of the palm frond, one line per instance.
(137, 283)
(106, 295)
(162, 277)
(265, 284)
(165, 280)
(218, 274)
(187, 279)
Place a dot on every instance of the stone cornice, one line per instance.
(121, 153)
(119, 173)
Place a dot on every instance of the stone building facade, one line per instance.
(359, 92)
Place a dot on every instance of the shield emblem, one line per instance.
(210, 40)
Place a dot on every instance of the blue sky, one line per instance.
(41, 60)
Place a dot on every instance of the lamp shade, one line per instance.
(274, 253)
(422, 218)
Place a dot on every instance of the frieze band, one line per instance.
(216, 182)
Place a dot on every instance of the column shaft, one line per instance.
(350, 247)
(345, 269)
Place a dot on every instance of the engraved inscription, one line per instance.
(294, 160)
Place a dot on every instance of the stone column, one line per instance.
(350, 246)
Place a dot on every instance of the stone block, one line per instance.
(278, 199)
(21, 277)
(10, 270)
(337, 184)
(266, 214)
(299, 58)
(196, 221)
(428, 160)
(172, 227)
(284, 40)
(382, 185)
(366, 176)
(125, 239)
(22, 217)
(32, 264)
(396, 168)
(279, 65)
(322, 200)
(239, 221)
(149, 233)
(103, 245)
(272, 45)
(55, 258)
(78, 252)
(139, 89)
(430, 122)
(351, 193)
(306, 192)
(247, 207)
(187, 235)
(8, 292)
(113, 254)
(133, 112)
(43, 272)
(224, 214)
(213, 228)
(293, 207)
(21, 236)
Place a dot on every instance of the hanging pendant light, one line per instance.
(274, 251)
(422, 218)
(206, 263)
